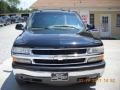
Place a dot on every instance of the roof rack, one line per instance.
(53, 10)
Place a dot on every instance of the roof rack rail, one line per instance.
(53, 10)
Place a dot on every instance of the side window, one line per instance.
(92, 19)
(118, 20)
(29, 21)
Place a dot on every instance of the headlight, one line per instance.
(19, 50)
(95, 50)
(21, 60)
(95, 59)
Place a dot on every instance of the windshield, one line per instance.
(56, 20)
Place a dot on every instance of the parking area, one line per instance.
(109, 81)
(12, 19)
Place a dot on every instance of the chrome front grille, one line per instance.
(59, 56)
(60, 62)
(64, 56)
(59, 51)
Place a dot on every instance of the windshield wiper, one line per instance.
(64, 26)
(37, 28)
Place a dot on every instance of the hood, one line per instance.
(37, 40)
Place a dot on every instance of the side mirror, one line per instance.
(19, 27)
(90, 27)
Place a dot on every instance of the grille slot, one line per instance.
(59, 52)
(66, 61)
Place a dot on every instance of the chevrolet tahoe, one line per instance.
(56, 48)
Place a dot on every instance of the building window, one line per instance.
(92, 19)
(118, 20)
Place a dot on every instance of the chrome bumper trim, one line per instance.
(48, 74)
(54, 56)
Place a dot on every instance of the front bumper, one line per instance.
(43, 74)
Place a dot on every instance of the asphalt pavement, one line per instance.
(7, 37)
(109, 81)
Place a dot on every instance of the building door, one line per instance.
(105, 28)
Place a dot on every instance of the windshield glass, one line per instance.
(56, 20)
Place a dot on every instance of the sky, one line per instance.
(26, 3)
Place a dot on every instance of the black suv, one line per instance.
(55, 48)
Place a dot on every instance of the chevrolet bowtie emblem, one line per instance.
(58, 58)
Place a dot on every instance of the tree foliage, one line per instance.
(13, 3)
(4, 7)
(9, 6)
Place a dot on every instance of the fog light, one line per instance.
(95, 59)
(21, 60)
